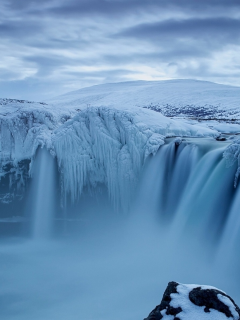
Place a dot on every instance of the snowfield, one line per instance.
(170, 95)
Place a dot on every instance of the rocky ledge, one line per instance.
(194, 302)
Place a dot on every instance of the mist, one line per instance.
(102, 263)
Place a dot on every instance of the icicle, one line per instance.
(232, 155)
(102, 145)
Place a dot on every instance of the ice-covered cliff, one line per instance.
(103, 134)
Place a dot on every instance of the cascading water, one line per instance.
(42, 195)
(184, 211)
(231, 233)
(186, 185)
(189, 187)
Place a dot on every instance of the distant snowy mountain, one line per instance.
(191, 98)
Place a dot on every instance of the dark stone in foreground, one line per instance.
(194, 296)
(208, 298)
(165, 304)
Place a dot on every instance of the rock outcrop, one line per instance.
(185, 302)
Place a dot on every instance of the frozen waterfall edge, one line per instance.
(97, 145)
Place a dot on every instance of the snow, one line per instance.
(230, 305)
(223, 127)
(104, 146)
(103, 134)
(110, 146)
(24, 126)
(173, 93)
(192, 311)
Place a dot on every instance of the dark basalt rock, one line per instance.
(165, 304)
(221, 138)
(208, 298)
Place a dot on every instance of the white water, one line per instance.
(117, 266)
(206, 199)
(231, 235)
(188, 186)
(42, 195)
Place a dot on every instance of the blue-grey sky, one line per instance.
(50, 47)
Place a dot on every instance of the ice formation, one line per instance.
(103, 146)
(232, 155)
(92, 145)
(97, 144)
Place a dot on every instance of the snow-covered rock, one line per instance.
(185, 302)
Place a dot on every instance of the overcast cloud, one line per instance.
(50, 47)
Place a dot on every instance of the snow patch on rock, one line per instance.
(191, 301)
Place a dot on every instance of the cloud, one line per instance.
(58, 45)
(19, 30)
(120, 7)
(220, 31)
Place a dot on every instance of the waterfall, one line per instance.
(184, 213)
(42, 194)
(190, 190)
(231, 234)
(185, 187)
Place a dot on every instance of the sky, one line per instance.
(51, 47)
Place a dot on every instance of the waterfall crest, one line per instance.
(189, 187)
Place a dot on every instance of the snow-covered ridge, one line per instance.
(22, 130)
(171, 97)
(206, 112)
(98, 134)
(8, 106)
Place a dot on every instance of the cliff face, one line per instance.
(92, 144)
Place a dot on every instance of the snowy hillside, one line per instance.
(103, 134)
(172, 98)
